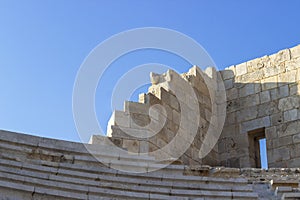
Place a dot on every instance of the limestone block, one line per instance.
(291, 196)
(255, 124)
(289, 103)
(228, 84)
(271, 133)
(281, 56)
(294, 89)
(134, 107)
(254, 65)
(119, 118)
(298, 74)
(174, 103)
(280, 92)
(176, 117)
(295, 148)
(292, 64)
(139, 120)
(282, 142)
(269, 83)
(247, 90)
(230, 118)
(295, 51)
(233, 105)
(291, 128)
(227, 74)
(250, 77)
(276, 119)
(232, 94)
(172, 126)
(273, 69)
(296, 138)
(132, 146)
(287, 77)
(294, 163)
(257, 86)
(248, 101)
(279, 154)
(99, 139)
(241, 69)
(129, 133)
(290, 115)
(265, 96)
(247, 114)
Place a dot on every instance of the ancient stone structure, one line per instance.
(208, 145)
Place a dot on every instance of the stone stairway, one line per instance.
(177, 107)
(40, 168)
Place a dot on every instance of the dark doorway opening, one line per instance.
(257, 148)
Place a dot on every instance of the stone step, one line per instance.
(89, 160)
(130, 133)
(291, 196)
(79, 190)
(84, 179)
(26, 145)
(142, 164)
(93, 171)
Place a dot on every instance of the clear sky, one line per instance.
(43, 43)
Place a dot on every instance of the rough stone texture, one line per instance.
(273, 106)
(41, 177)
(262, 94)
(262, 102)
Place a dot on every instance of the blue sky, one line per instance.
(43, 43)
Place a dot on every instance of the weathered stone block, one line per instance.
(228, 84)
(282, 142)
(247, 90)
(134, 107)
(292, 64)
(248, 101)
(280, 92)
(280, 154)
(131, 145)
(291, 128)
(254, 65)
(232, 94)
(247, 114)
(287, 77)
(296, 138)
(269, 83)
(227, 74)
(295, 51)
(271, 133)
(290, 115)
(255, 124)
(281, 56)
(241, 69)
(294, 88)
(120, 118)
(274, 69)
(289, 103)
(265, 96)
(276, 119)
(295, 150)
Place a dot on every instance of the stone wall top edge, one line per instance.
(294, 53)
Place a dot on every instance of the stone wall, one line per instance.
(263, 101)
(262, 98)
(151, 124)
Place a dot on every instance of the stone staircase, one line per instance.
(177, 107)
(40, 168)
